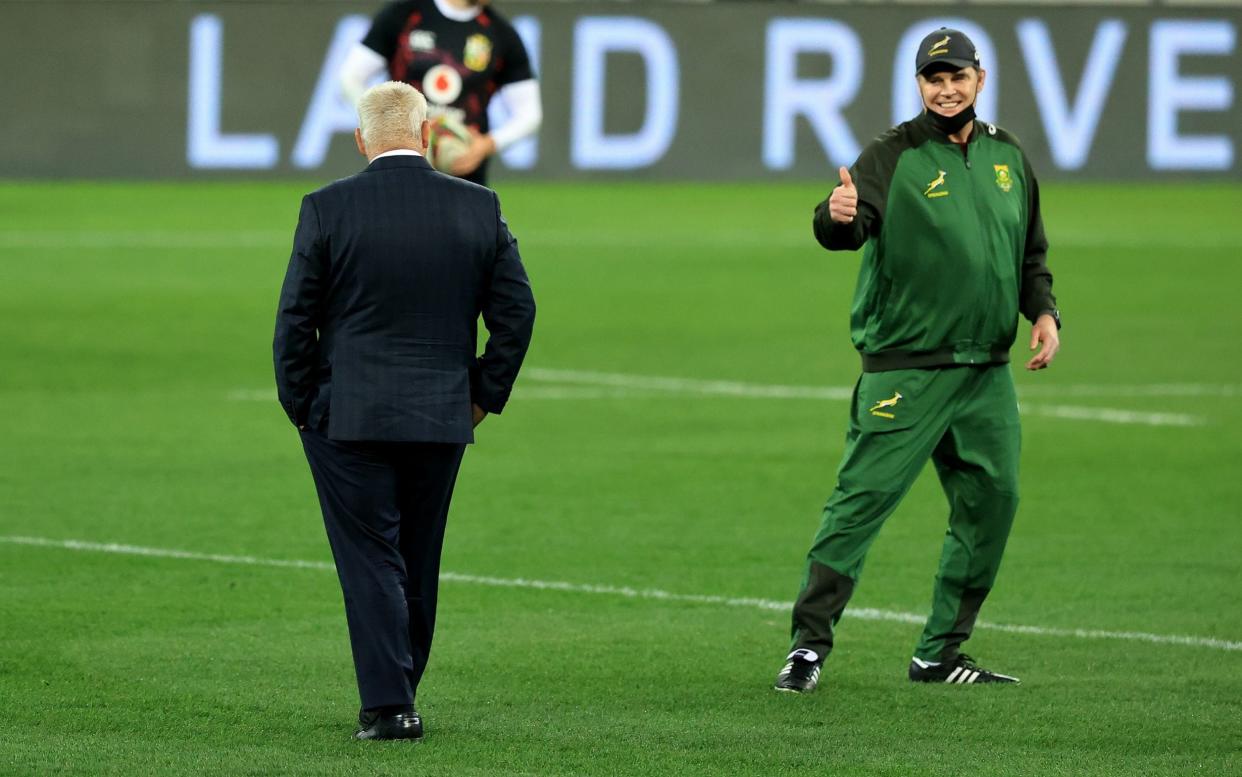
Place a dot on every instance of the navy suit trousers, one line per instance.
(385, 505)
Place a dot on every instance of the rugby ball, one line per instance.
(449, 140)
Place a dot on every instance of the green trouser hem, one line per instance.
(965, 419)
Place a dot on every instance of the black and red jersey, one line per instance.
(457, 65)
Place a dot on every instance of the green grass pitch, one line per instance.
(135, 392)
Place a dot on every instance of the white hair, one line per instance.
(391, 115)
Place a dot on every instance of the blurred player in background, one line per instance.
(458, 53)
(948, 209)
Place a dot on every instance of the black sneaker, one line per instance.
(960, 671)
(801, 672)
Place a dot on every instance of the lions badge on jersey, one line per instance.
(478, 53)
(1002, 177)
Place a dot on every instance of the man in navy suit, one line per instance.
(375, 352)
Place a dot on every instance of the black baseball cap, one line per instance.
(949, 46)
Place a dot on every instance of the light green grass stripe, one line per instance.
(860, 613)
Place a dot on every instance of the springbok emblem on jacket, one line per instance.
(938, 182)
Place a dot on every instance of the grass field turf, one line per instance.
(136, 326)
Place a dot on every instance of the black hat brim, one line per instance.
(958, 63)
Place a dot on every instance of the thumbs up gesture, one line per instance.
(843, 204)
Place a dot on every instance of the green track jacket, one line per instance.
(955, 247)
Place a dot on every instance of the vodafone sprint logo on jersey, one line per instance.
(442, 84)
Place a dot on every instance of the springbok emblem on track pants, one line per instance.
(878, 409)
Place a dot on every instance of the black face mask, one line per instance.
(951, 124)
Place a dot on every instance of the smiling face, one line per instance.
(947, 91)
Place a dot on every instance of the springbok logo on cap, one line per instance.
(952, 47)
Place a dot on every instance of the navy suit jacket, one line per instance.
(376, 330)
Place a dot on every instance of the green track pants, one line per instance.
(965, 419)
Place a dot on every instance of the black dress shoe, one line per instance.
(398, 725)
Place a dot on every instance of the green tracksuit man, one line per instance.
(948, 210)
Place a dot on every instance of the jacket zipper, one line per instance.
(983, 243)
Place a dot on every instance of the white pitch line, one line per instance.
(722, 388)
(1132, 390)
(580, 392)
(747, 389)
(252, 395)
(137, 550)
(550, 392)
(161, 239)
(1111, 415)
(860, 613)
